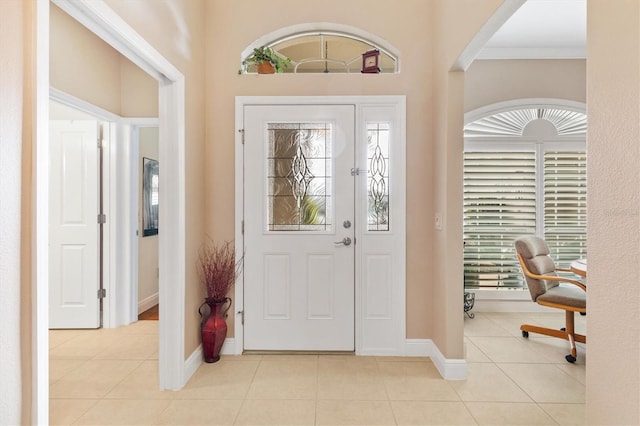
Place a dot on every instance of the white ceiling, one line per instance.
(541, 29)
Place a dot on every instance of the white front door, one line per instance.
(299, 227)
(73, 225)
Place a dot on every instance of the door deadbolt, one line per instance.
(346, 224)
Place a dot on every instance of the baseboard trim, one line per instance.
(192, 363)
(450, 369)
(417, 347)
(229, 346)
(148, 303)
(504, 300)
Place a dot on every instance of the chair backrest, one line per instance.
(535, 255)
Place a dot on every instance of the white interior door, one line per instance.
(73, 225)
(299, 227)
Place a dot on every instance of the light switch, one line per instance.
(439, 221)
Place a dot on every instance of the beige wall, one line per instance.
(456, 23)
(81, 64)
(613, 81)
(613, 237)
(138, 91)
(147, 246)
(176, 30)
(490, 81)
(84, 66)
(404, 25)
(11, 141)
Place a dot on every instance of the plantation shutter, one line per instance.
(565, 205)
(499, 205)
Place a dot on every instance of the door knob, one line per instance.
(346, 241)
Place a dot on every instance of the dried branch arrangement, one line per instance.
(218, 268)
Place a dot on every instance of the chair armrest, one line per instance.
(568, 270)
(548, 277)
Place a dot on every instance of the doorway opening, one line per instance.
(102, 20)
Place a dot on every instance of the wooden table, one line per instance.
(579, 267)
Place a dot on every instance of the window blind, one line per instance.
(499, 205)
(565, 205)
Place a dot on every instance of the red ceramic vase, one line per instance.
(213, 327)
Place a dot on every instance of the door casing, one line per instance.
(381, 332)
(99, 18)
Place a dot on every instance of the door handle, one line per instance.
(346, 241)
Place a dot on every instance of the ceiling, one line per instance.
(541, 29)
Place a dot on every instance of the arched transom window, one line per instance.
(515, 122)
(325, 48)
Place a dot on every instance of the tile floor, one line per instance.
(109, 376)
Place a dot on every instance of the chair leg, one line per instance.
(568, 333)
(570, 328)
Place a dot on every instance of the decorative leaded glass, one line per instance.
(299, 176)
(378, 176)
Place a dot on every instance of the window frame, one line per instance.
(329, 29)
(539, 144)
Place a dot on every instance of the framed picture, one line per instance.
(370, 62)
(149, 197)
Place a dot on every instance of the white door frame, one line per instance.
(392, 322)
(99, 18)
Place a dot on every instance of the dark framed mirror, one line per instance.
(149, 197)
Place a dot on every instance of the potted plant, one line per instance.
(218, 270)
(266, 60)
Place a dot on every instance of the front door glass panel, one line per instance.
(299, 177)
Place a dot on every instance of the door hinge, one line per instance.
(102, 218)
(241, 313)
(355, 171)
(242, 227)
(242, 133)
(102, 293)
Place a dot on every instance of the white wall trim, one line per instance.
(82, 105)
(148, 303)
(229, 346)
(484, 34)
(450, 369)
(40, 218)
(418, 347)
(192, 363)
(496, 300)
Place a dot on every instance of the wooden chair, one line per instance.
(544, 285)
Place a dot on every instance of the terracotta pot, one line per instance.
(213, 327)
(266, 68)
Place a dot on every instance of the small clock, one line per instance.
(370, 62)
